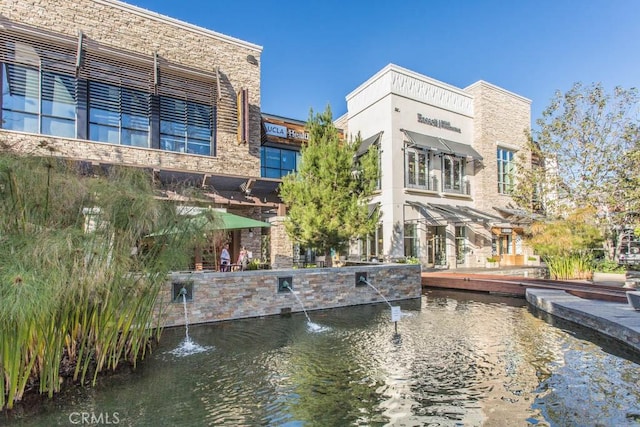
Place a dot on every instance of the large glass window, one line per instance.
(278, 162)
(453, 174)
(373, 245)
(111, 97)
(118, 115)
(506, 170)
(417, 168)
(38, 101)
(461, 244)
(410, 240)
(185, 126)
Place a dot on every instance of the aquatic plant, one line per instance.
(573, 266)
(79, 278)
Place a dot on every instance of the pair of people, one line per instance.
(225, 258)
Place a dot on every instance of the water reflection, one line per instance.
(460, 359)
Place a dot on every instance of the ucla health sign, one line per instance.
(275, 130)
(285, 132)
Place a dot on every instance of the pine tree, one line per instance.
(327, 198)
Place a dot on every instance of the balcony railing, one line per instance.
(463, 188)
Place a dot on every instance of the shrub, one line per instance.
(608, 266)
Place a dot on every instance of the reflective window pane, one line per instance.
(20, 121)
(104, 134)
(58, 127)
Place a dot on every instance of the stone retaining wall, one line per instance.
(615, 320)
(215, 296)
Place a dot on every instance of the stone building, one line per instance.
(102, 82)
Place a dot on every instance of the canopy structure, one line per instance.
(519, 216)
(219, 221)
(438, 214)
(365, 144)
(229, 221)
(442, 146)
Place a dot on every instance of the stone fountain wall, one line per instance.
(215, 296)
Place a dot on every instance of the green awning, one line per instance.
(229, 221)
(218, 220)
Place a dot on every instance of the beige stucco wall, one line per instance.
(118, 25)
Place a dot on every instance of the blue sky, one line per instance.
(316, 52)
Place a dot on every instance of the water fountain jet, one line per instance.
(187, 347)
(396, 313)
(314, 327)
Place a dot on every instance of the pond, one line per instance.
(457, 359)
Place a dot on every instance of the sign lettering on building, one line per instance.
(275, 130)
(442, 124)
(285, 132)
(292, 133)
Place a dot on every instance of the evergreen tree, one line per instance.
(327, 198)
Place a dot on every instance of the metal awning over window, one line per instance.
(462, 150)
(443, 146)
(426, 141)
(429, 216)
(438, 214)
(365, 144)
(519, 216)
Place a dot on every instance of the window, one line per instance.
(461, 246)
(118, 115)
(453, 175)
(38, 101)
(373, 245)
(506, 170)
(437, 245)
(185, 126)
(51, 87)
(278, 162)
(417, 168)
(410, 240)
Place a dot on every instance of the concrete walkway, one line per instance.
(616, 320)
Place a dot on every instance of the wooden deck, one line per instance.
(517, 285)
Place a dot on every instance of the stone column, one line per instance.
(281, 245)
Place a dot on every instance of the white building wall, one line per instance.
(390, 101)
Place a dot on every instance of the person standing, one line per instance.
(225, 258)
(243, 259)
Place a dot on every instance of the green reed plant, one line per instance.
(76, 298)
(570, 266)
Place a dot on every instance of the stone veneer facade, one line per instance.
(501, 119)
(117, 25)
(236, 295)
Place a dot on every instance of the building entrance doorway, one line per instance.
(437, 246)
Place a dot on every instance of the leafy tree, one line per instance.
(566, 245)
(327, 197)
(629, 182)
(585, 141)
(566, 236)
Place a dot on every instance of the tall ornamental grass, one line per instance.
(79, 279)
(573, 266)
